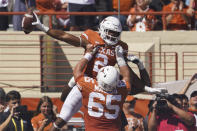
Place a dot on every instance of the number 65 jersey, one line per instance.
(106, 54)
(101, 109)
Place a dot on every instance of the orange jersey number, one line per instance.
(107, 100)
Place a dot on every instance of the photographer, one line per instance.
(167, 115)
(16, 118)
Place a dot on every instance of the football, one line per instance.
(27, 20)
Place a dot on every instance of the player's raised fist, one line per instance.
(27, 21)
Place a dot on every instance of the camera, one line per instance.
(162, 106)
(21, 109)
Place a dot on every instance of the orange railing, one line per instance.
(161, 66)
(189, 64)
(163, 14)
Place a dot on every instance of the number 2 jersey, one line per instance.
(106, 54)
(101, 109)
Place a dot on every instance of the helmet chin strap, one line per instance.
(108, 42)
(104, 34)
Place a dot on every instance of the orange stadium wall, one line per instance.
(140, 105)
(33, 102)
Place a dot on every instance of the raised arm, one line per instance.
(66, 37)
(143, 72)
(59, 34)
(192, 80)
(136, 82)
(130, 76)
(123, 67)
(81, 65)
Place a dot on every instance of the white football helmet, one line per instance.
(110, 30)
(108, 78)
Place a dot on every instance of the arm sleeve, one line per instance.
(72, 104)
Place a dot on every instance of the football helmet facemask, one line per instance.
(108, 78)
(110, 30)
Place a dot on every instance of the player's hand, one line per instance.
(91, 49)
(133, 58)
(119, 56)
(119, 51)
(39, 25)
(136, 61)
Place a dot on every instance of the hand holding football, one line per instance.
(27, 20)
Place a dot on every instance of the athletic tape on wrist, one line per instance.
(121, 62)
(45, 28)
(88, 56)
(55, 126)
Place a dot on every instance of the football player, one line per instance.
(102, 98)
(107, 37)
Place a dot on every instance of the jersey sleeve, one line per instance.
(92, 37)
(34, 123)
(84, 82)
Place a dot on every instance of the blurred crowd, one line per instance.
(139, 23)
(14, 116)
